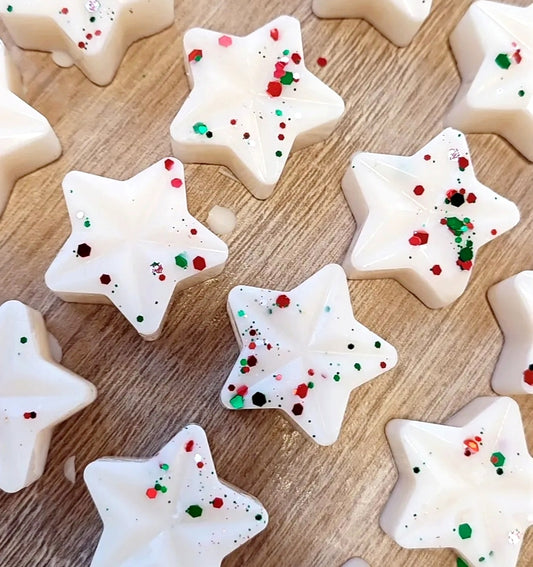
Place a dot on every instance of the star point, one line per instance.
(170, 509)
(494, 53)
(303, 352)
(36, 394)
(512, 303)
(133, 244)
(266, 103)
(27, 141)
(465, 485)
(422, 219)
(398, 20)
(94, 35)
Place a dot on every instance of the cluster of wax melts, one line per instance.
(134, 243)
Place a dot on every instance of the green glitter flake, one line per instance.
(377, 344)
(337, 377)
(465, 531)
(87, 223)
(164, 467)
(10, 8)
(457, 226)
(497, 459)
(241, 313)
(200, 128)
(279, 153)
(466, 254)
(503, 60)
(237, 402)
(310, 385)
(461, 562)
(279, 113)
(243, 361)
(287, 79)
(521, 92)
(140, 318)
(23, 340)
(357, 366)
(181, 260)
(286, 52)
(194, 511)
(258, 517)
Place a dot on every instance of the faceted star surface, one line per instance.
(398, 20)
(493, 46)
(133, 243)
(302, 352)
(512, 303)
(27, 140)
(92, 34)
(422, 219)
(466, 485)
(252, 101)
(171, 509)
(36, 393)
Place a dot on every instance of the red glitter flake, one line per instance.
(302, 390)
(467, 266)
(246, 135)
(463, 163)
(194, 232)
(233, 121)
(274, 34)
(200, 465)
(311, 372)
(189, 446)
(199, 263)
(169, 164)
(322, 61)
(296, 58)
(494, 232)
(151, 493)
(253, 332)
(195, 55)
(225, 41)
(437, 270)
(242, 390)
(245, 369)
(281, 137)
(528, 375)
(176, 182)
(383, 364)
(274, 89)
(162, 277)
(64, 11)
(443, 221)
(427, 157)
(283, 301)
(89, 36)
(252, 346)
(30, 415)
(418, 190)
(218, 503)
(517, 56)
(105, 279)
(81, 45)
(251, 360)
(98, 32)
(471, 198)
(419, 238)
(282, 125)
(472, 446)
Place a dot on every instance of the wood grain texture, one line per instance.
(324, 503)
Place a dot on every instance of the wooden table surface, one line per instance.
(324, 502)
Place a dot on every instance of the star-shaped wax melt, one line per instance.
(94, 35)
(398, 20)
(303, 352)
(466, 485)
(171, 509)
(252, 101)
(422, 219)
(512, 303)
(494, 51)
(133, 243)
(27, 141)
(36, 393)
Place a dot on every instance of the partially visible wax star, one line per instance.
(170, 509)
(133, 243)
(252, 102)
(422, 219)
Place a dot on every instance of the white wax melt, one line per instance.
(398, 20)
(133, 243)
(512, 303)
(252, 102)
(356, 562)
(27, 141)
(94, 35)
(302, 352)
(492, 45)
(467, 485)
(36, 393)
(170, 509)
(422, 219)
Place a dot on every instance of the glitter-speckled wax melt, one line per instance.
(94, 35)
(170, 509)
(466, 485)
(252, 102)
(36, 394)
(422, 219)
(398, 20)
(494, 52)
(133, 243)
(27, 141)
(512, 303)
(302, 352)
